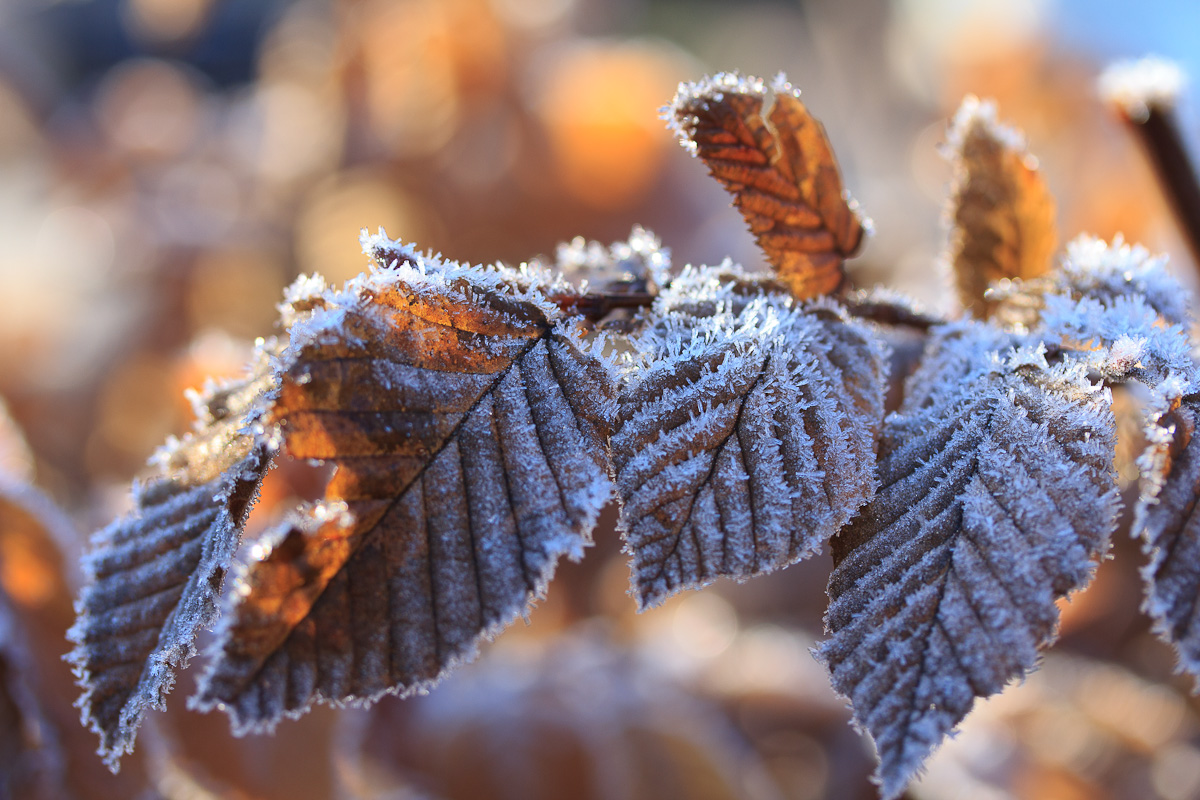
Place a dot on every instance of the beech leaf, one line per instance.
(783, 176)
(154, 575)
(747, 438)
(1169, 520)
(35, 608)
(1001, 212)
(465, 416)
(996, 498)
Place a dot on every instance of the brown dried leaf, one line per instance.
(748, 437)
(784, 178)
(44, 753)
(35, 609)
(154, 575)
(466, 421)
(1001, 211)
(30, 759)
(996, 497)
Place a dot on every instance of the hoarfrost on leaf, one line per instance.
(996, 497)
(154, 575)
(747, 437)
(1168, 519)
(783, 176)
(1106, 271)
(466, 421)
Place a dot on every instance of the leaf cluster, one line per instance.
(478, 418)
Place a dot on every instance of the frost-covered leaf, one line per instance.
(1169, 520)
(1001, 212)
(996, 497)
(1118, 309)
(1102, 271)
(638, 264)
(748, 437)
(466, 421)
(783, 177)
(154, 575)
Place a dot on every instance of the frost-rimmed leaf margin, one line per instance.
(772, 484)
(440, 288)
(970, 369)
(1138, 317)
(129, 642)
(782, 173)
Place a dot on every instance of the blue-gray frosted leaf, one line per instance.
(154, 575)
(1169, 521)
(1130, 316)
(996, 498)
(466, 420)
(1105, 271)
(746, 438)
(1119, 307)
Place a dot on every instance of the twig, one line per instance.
(1144, 93)
(597, 306)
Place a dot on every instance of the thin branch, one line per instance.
(597, 306)
(1143, 93)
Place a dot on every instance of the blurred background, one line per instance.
(168, 166)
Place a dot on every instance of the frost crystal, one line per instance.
(996, 497)
(748, 438)
(1137, 86)
(466, 421)
(154, 575)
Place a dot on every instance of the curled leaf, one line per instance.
(154, 575)
(783, 177)
(996, 497)
(465, 418)
(44, 753)
(748, 438)
(1001, 211)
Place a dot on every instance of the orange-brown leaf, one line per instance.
(783, 176)
(466, 423)
(1000, 208)
(44, 753)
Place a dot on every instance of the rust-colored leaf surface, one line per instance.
(1001, 212)
(44, 753)
(466, 418)
(782, 174)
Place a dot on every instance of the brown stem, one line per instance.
(890, 313)
(1159, 135)
(597, 306)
